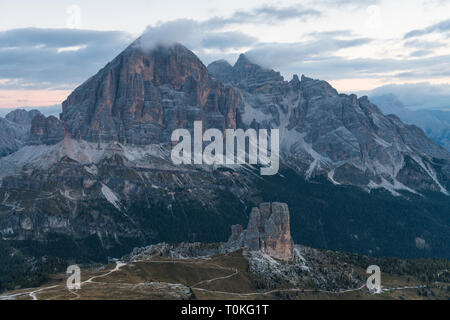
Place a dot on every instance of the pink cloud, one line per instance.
(31, 98)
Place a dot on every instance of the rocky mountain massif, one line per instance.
(99, 181)
(346, 138)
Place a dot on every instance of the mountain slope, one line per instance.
(324, 132)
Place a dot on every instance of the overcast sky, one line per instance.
(48, 47)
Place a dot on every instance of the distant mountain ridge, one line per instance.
(435, 123)
(15, 130)
(54, 110)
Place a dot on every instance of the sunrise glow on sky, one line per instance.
(48, 48)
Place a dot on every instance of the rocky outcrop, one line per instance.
(46, 130)
(268, 231)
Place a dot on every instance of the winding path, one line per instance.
(32, 294)
(119, 264)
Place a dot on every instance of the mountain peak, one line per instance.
(221, 69)
(143, 94)
(244, 72)
(162, 61)
(243, 60)
(21, 116)
(149, 45)
(312, 87)
(221, 62)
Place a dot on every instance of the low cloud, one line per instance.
(226, 40)
(441, 27)
(55, 58)
(421, 95)
(58, 38)
(421, 53)
(194, 35)
(347, 3)
(189, 32)
(424, 44)
(282, 55)
(264, 15)
(210, 34)
(336, 68)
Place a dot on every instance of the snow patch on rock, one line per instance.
(111, 196)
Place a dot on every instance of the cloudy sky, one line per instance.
(48, 47)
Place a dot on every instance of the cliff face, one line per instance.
(46, 130)
(143, 95)
(268, 231)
